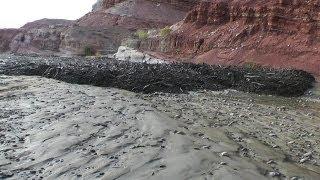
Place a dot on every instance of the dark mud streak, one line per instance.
(170, 78)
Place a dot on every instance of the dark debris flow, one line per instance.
(169, 78)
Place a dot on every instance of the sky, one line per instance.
(16, 13)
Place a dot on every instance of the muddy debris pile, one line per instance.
(169, 78)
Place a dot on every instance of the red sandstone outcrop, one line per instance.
(277, 33)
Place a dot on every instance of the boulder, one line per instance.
(129, 54)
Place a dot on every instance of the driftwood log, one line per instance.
(171, 78)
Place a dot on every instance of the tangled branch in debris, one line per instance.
(171, 78)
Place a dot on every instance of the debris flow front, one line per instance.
(170, 78)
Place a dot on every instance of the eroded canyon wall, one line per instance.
(277, 33)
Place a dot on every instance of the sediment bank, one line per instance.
(149, 78)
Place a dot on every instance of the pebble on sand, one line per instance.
(223, 163)
(224, 154)
(274, 174)
(304, 159)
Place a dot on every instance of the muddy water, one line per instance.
(276, 131)
(55, 130)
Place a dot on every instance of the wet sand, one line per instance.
(55, 130)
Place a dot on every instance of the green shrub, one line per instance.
(89, 51)
(164, 32)
(252, 65)
(142, 34)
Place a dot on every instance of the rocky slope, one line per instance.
(47, 23)
(136, 14)
(276, 33)
(37, 40)
(76, 39)
(67, 40)
(6, 36)
(101, 30)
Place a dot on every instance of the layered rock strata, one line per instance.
(136, 14)
(270, 32)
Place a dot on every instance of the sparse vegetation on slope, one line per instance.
(165, 32)
(89, 51)
(142, 34)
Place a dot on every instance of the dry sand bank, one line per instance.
(54, 130)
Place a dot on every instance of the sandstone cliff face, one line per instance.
(74, 40)
(40, 41)
(185, 5)
(103, 29)
(6, 36)
(285, 16)
(104, 4)
(278, 33)
(48, 23)
(40, 37)
(136, 14)
(66, 41)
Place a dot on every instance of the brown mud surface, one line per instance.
(55, 130)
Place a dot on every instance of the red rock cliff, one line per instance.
(278, 33)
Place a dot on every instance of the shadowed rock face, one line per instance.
(6, 36)
(40, 41)
(102, 41)
(267, 32)
(41, 36)
(67, 40)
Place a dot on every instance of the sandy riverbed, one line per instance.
(55, 130)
